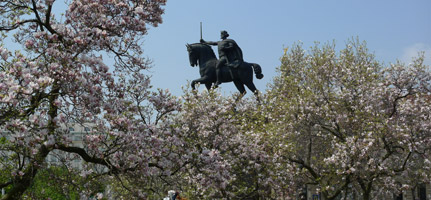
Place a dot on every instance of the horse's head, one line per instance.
(193, 55)
(199, 53)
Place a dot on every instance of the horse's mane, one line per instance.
(206, 47)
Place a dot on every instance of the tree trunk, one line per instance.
(22, 183)
(366, 195)
(366, 189)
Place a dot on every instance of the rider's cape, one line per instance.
(234, 55)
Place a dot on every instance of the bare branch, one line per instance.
(15, 26)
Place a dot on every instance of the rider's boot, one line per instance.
(218, 75)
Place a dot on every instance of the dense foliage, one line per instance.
(352, 124)
(58, 78)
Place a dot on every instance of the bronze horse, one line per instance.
(242, 75)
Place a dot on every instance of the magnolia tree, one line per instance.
(347, 125)
(58, 77)
(218, 139)
(340, 122)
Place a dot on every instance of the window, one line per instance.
(71, 129)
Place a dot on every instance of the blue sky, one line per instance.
(393, 29)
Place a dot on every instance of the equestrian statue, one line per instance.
(229, 67)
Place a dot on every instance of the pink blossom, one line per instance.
(139, 10)
(39, 34)
(78, 40)
(54, 66)
(4, 53)
(57, 102)
(29, 44)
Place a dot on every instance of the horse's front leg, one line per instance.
(193, 84)
(200, 80)
(208, 86)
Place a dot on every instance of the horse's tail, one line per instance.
(257, 70)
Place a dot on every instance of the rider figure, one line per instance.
(229, 54)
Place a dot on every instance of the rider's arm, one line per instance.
(208, 42)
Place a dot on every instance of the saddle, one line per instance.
(235, 64)
(233, 68)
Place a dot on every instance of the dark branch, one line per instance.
(39, 21)
(394, 107)
(15, 26)
(309, 168)
(3, 185)
(48, 15)
(84, 155)
(335, 133)
(92, 159)
(404, 164)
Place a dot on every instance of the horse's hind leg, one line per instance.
(253, 88)
(240, 87)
